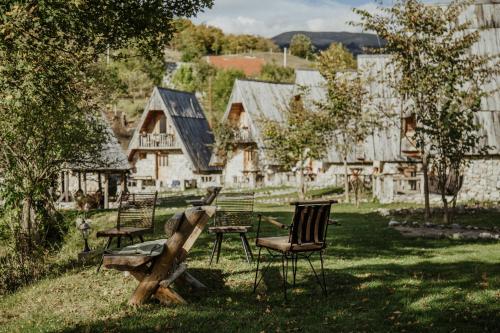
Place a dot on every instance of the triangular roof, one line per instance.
(111, 157)
(184, 111)
(261, 100)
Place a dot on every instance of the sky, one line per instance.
(272, 17)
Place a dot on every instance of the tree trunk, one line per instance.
(346, 181)
(446, 213)
(425, 171)
(28, 218)
(300, 184)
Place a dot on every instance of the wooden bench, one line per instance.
(135, 218)
(157, 265)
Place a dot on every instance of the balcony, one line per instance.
(158, 141)
(243, 135)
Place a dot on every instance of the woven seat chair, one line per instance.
(234, 215)
(135, 218)
(306, 236)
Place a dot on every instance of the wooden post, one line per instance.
(66, 186)
(79, 181)
(123, 185)
(85, 183)
(150, 284)
(106, 191)
(99, 181)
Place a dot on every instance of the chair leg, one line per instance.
(323, 287)
(245, 248)
(221, 236)
(141, 238)
(119, 241)
(257, 272)
(248, 245)
(216, 242)
(294, 267)
(323, 273)
(108, 245)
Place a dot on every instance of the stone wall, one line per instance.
(481, 180)
(178, 168)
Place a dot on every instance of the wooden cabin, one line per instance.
(396, 161)
(249, 165)
(172, 144)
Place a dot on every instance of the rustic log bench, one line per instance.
(208, 199)
(159, 264)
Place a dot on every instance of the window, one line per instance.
(132, 183)
(163, 160)
(142, 156)
(148, 182)
(206, 179)
(163, 124)
(410, 124)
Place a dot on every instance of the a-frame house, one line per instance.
(172, 144)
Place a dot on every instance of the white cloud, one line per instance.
(271, 17)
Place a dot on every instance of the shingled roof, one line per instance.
(186, 114)
(111, 157)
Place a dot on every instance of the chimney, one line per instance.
(284, 57)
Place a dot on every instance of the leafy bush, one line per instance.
(275, 73)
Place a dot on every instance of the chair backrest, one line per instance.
(310, 222)
(234, 209)
(137, 210)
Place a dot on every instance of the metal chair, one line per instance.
(306, 236)
(234, 215)
(135, 218)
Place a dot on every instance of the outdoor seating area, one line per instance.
(160, 263)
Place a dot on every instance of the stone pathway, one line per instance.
(438, 231)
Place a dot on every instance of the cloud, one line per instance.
(271, 17)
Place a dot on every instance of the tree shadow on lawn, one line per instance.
(425, 297)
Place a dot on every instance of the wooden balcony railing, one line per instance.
(158, 141)
(243, 136)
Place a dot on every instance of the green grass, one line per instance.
(378, 281)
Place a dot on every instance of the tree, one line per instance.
(335, 59)
(347, 122)
(275, 73)
(195, 41)
(51, 91)
(301, 46)
(138, 73)
(185, 78)
(439, 80)
(297, 140)
(221, 88)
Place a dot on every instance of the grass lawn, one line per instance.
(377, 280)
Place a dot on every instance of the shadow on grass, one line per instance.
(377, 298)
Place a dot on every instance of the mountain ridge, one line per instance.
(355, 42)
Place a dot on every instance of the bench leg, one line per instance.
(108, 245)
(221, 236)
(119, 241)
(246, 248)
(141, 238)
(216, 242)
